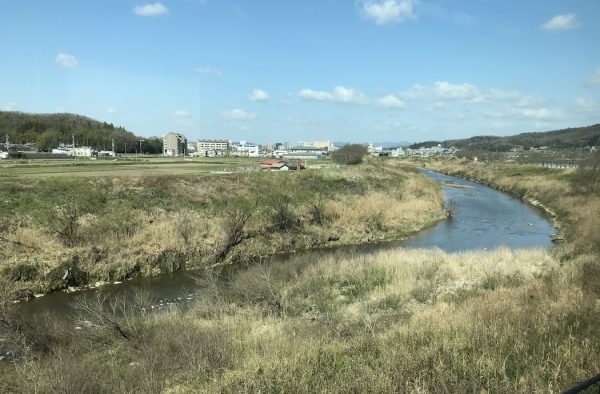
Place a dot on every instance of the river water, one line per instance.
(483, 219)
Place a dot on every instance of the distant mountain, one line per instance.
(425, 144)
(570, 138)
(385, 144)
(47, 131)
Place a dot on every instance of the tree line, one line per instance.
(46, 132)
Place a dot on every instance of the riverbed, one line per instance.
(482, 218)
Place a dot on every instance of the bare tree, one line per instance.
(318, 214)
(234, 224)
(104, 312)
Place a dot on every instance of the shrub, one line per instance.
(349, 154)
(587, 176)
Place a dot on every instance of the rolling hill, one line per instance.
(47, 131)
(570, 138)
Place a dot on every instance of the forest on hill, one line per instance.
(47, 131)
(570, 138)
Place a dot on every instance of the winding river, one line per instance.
(483, 219)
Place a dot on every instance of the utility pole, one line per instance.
(141, 146)
(113, 145)
(74, 152)
(7, 146)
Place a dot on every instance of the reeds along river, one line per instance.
(482, 218)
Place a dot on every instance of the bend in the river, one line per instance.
(483, 218)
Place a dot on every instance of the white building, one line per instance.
(374, 150)
(245, 149)
(83, 151)
(79, 151)
(397, 152)
(280, 152)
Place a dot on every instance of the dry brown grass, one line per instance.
(394, 321)
(502, 321)
(111, 228)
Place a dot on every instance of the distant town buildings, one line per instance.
(398, 152)
(245, 149)
(174, 145)
(77, 151)
(374, 150)
(324, 146)
(191, 147)
(437, 150)
(305, 153)
(210, 148)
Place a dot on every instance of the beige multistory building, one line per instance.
(212, 147)
(174, 144)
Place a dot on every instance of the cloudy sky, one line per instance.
(288, 70)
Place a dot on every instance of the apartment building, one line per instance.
(212, 147)
(174, 145)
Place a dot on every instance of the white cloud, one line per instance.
(181, 113)
(541, 113)
(313, 95)
(66, 60)
(391, 102)
(464, 91)
(498, 94)
(530, 102)
(258, 95)
(155, 9)
(446, 91)
(339, 94)
(9, 107)
(238, 114)
(561, 22)
(208, 71)
(416, 91)
(388, 11)
(538, 113)
(349, 96)
(384, 12)
(527, 107)
(587, 105)
(111, 110)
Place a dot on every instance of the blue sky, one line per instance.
(289, 70)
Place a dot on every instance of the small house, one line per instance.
(274, 165)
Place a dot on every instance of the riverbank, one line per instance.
(568, 196)
(393, 321)
(63, 232)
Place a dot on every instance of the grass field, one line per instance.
(395, 321)
(62, 225)
(129, 166)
